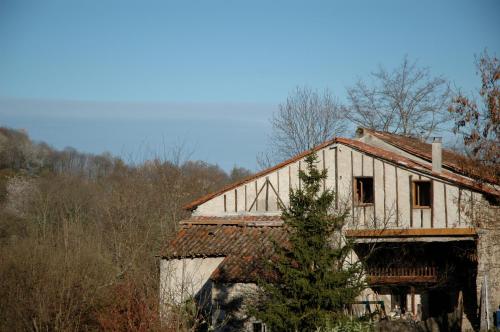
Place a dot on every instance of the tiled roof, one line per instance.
(418, 166)
(240, 245)
(377, 152)
(242, 220)
(451, 160)
(240, 217)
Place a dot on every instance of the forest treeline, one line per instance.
(79, 233)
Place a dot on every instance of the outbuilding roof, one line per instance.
(241, 244)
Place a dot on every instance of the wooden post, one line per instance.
(411, 199)
(267, 193)
(412, 290)
(336, 182)
(235, 200)
(397, 198)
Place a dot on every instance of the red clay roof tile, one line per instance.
(240, 245)
(451, 160)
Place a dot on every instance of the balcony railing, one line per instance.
(399, 274)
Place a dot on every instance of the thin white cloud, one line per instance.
(71, 109)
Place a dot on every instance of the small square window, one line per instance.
(422, 194)
(363, 190)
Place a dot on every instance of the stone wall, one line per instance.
(488, 249)
(230, 304)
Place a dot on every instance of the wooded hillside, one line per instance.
(79, 234)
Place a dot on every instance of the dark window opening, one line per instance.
(492, 200)
(363, 189)
(259, 327)
(422, 194)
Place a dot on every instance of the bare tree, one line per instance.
(307, 118)
(479, 123)
(406, 100)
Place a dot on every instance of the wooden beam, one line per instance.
(353, 189)
(324, 167)
(384, 280)
(459, 205)
(289, 179)
(411, 199)
(278, 198)
(267, 193)
(374, 194)
(445, 207)
(256, 201)
(246, 198)
(300, 169)
(432, 205)
(375, 233)
(336, 181)
(278, 193)
(397, 197)
(383, 186)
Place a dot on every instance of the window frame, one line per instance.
(357, 200)
(414, 194)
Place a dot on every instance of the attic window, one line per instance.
(363, 190)
(422, 194)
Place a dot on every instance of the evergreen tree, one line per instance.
(312, 279)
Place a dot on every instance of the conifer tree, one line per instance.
(312, 279)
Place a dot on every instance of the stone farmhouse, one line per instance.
(434, 221)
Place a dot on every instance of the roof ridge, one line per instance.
(236, 223)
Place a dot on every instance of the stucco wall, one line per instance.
(392, 208)
(181, 279)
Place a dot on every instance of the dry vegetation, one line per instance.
(79, 234)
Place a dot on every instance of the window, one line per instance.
(259, 327)
(422, 194)
(363, 190)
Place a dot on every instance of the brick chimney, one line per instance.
(437, 155)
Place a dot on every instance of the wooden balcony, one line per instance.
(401, 275)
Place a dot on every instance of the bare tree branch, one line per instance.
(306, 119)
(407, 101)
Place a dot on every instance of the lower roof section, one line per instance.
(242, 243)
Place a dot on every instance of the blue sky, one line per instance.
(134, 77)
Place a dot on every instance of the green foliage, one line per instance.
(314, 280)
